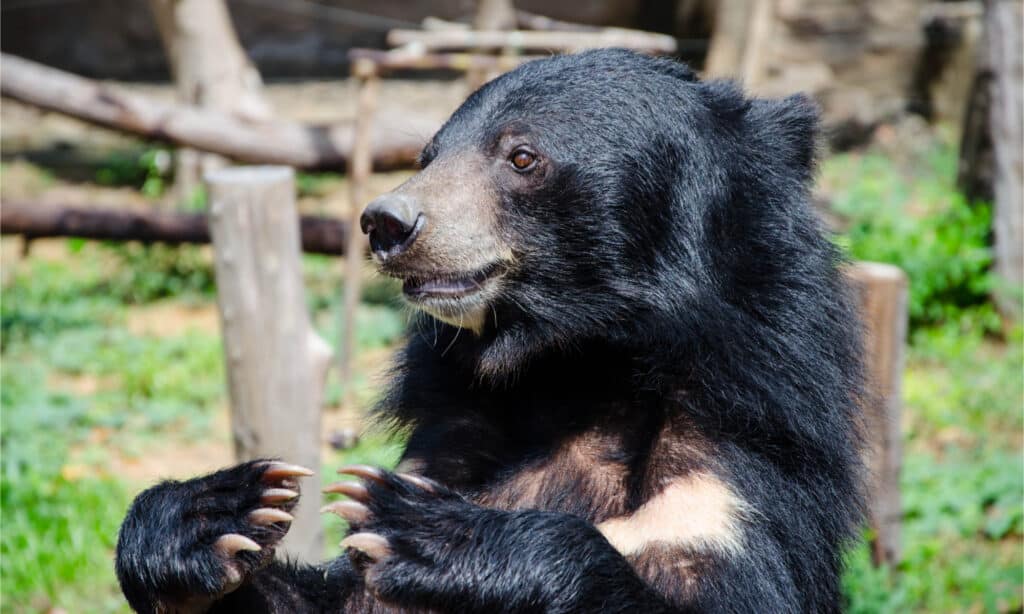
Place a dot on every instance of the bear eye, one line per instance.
(522, 159)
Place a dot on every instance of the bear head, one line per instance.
(598, 195)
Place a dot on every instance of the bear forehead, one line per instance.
(602, 90)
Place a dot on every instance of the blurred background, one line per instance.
(113, 370)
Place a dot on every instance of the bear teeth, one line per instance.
(448, 285)
(440, 286)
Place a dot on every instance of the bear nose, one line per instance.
(393, 221)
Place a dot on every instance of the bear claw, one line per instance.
(365, 472)
(230, 544)
(370, 544)
(277, 495)
(352, 490)
(232, 577)
(269, 515)
(277, 470)
(351, 511)
(415, 480)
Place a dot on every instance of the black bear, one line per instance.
(633, 387)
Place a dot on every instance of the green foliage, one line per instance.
(962, 481)
(317, 184)
(921, 224)
(58, 541)
(149, 272)
(63, 325)
(961, 537)
(43, 297)
(30, 411)
(151, 172)
(958, 386)
(197, 200)
(148, 171)
(963, 478)
(381, 290)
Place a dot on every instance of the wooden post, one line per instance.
(758, 32)
(1006, 126)
(492, 15)
(275, 362)
(360, 166)
(883, 296)
(211, 70)
(725, 56)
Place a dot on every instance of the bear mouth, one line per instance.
(449, 285)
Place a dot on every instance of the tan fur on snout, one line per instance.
(460, 205)
(460, 234)
(698, 510)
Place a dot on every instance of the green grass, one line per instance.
(65, 325)
(962, 484)
(65, 319)
(58, 542)
(80, 391)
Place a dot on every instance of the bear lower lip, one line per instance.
(448, 285)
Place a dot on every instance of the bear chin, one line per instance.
(452, 303)
(471, 320)
(467, 312)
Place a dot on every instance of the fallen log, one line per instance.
(524, 21)
(433, 40)
(36, 220)
(533, 21)
(404, 59)
(396, 143)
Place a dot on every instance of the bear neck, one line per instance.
(780, 357)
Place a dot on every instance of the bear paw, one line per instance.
(194, 541)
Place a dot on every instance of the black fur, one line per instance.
(672, 292)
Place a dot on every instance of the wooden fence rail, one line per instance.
(39, 220)
(309, 146)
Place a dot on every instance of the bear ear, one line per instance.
(788, 129)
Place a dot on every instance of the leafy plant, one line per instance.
(922, 225)
(150, 272)
(148, 171)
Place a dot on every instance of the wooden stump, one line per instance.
(359, 169)
(275, 363)
(883, 296)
